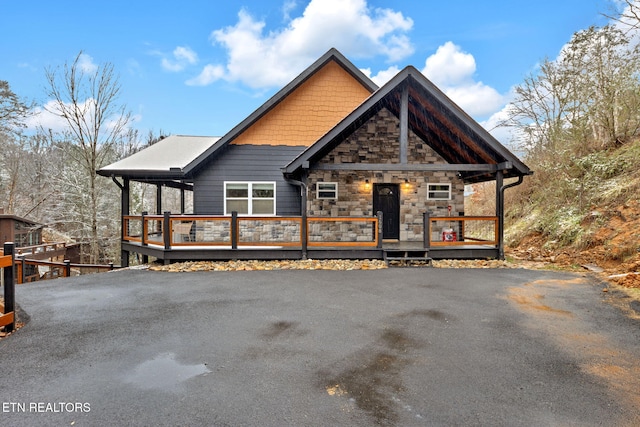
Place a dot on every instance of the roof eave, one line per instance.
(173, 173)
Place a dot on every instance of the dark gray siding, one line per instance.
(246, 163)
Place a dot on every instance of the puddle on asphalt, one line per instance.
(164, 373)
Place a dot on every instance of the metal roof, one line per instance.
(166, 158)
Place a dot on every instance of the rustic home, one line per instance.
(331, 166)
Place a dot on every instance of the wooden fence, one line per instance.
(56, 269)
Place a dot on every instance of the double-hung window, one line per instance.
(250, 198)
(439, 191)
(327, 190)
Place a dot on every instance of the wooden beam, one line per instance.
(418, 167)
(450, 126)
(404, 125)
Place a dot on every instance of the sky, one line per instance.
(199, 67)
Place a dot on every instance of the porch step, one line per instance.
(396, 258)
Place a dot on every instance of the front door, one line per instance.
(386, 198)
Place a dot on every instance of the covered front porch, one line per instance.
(174, 238)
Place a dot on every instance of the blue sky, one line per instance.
(199, 67)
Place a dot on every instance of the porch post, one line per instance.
(158, 199)
(500, 212)
(234, 230)
(9, 285)
(143, 235)
(167, 230)
(426, 223)
(158, 206)
(182, 203)
(124, 210)
(379, 214)
(304, 233)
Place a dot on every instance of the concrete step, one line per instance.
(407, 257)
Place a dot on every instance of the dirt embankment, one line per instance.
(613, 249)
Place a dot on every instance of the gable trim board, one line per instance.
(459, 139)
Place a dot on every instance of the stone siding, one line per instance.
(377, 141)
(270, 231)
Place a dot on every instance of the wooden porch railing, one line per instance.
(45, 250)
(239, 231)
(232, 232)
(362, 225)
(461, 230)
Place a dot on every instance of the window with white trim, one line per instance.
(439, 191)
(250, 198)
(327, 190)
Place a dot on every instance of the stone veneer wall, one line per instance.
(377, 141)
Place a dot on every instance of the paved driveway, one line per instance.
(405, 347)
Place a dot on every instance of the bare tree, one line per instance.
(540, 109)
(585, 100)
(626, 13)
(86, 97)
(603, 67)
(13, 110)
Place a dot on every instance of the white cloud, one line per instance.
(476, 99)
(182, 57)
(259, 59)
(209, 74)
(287, 8)
(452, 70)
(449, 66)
(86, 64)
(494, 124)
(48, 116)
(383, 76)
(43, 117)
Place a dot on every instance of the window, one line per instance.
(439, 191)
(250, 198)
(327, 190)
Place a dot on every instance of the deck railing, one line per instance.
(232, 232)
(342, 231)
(55, 269)
(174, 231)
(44, 250)
(461, 230)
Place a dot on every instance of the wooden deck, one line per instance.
(174, 238)
(406, 249)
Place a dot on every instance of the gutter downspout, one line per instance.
(303, 212)
(501, 214)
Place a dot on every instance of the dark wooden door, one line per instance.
(386, 198)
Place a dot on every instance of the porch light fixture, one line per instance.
(367, 186)
(406, 183)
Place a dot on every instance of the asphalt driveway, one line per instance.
(405, 347)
